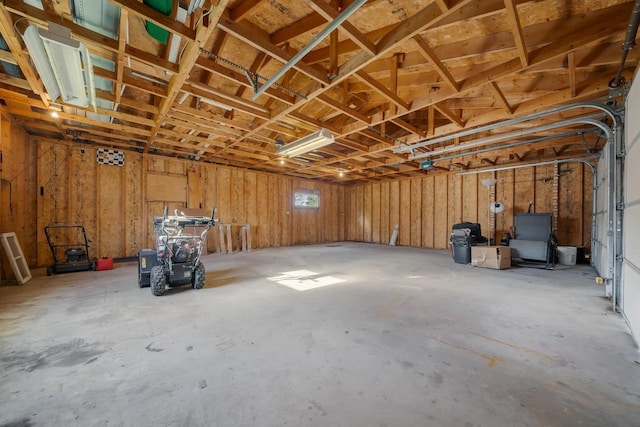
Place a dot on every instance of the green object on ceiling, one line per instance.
(162, 6)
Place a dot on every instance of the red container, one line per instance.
(104, 264)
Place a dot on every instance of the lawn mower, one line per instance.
(70, 249)
(180, 239)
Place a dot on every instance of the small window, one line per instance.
(306, 200)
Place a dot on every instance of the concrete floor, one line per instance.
(396, 337)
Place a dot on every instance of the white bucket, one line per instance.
(567, 255)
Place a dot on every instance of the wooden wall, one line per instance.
(426, 208)
(17, 185)
(116, 204)
(46, 182)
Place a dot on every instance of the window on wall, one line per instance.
(306, 199)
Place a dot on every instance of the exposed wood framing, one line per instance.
(436, 68)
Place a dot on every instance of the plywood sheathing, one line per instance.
(17, 190)
(116, 204)
(426, 208)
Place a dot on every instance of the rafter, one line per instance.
(440, 68)
(449, 114)
(372, 86)
(382, 90)
(343, 108)
(244, 8)
(571, 59)
(407, 126)
(516, 29)
(442, 4)
(161, 20)
(240, 79)
(258, 41)
(12, 39)
(500, 97)
(188, 61)
(329, 13)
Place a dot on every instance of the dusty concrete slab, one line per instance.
(378, 336)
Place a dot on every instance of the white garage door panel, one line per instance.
(599, 250)
(630, 284)
(632, 127)
(631, 298)
(633, 175)
(632, 228)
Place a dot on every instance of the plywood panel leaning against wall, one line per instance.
(404, 233)
(17, 191)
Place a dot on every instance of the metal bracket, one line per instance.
(253, 79)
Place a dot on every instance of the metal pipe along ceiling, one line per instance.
(344, 15)
(551, 126)
(513, 145)
(629, 43)
(530, 165)
(606, 109)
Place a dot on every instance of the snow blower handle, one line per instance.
(213, 216)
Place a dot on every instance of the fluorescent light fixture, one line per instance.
(174, 44)
(216, 103)
(149, 78)
(191, 132)
(64, 64)
(195, 4)
(285, 125)
(308, 143)
(182, 97)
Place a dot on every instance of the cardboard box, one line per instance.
(496, 257)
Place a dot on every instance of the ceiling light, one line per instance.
(182, 97)
(285, 125)
(340, 173)
(282, 161)
(174, 44)
(215, 103)
(308, 143)
(191, 132)
(55, 114)
(149, 78)
(63, 63)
